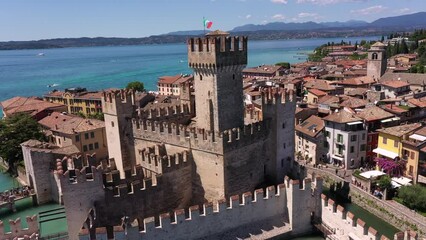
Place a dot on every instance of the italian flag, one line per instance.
(207, 24)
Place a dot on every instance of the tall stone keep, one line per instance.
(218, 60)
(118, 107)
(377, 61)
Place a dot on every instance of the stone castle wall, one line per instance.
(16, 231)
(239, 217)
(344, 224)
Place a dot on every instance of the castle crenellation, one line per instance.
(266, 203)
(278, 95)
(159, 163)
(16, 229)
(163, 113)
(344, 223)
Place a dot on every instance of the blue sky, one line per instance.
(41, 19)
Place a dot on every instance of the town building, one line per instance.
(390, 140)
(413, 151)
(325, 86)
(33, 106)
(265, 72)
(394, 88)
(310, 141)
(175, 85)
(77, 100)
(313, 95)
(375, 118)
(88, 135)
(346, 136)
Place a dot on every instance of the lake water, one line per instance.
(24, 73)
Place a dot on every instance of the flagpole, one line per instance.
(204, 25)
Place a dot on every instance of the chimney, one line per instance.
(300, 121)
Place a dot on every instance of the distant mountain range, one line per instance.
(410, 21)
(275, 30)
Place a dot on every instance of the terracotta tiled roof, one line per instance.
(411, 78)
(395, 83)
(30, 105)
(421, 131)
(419, 102)
(322, 85)
(317, 92)
(357, 92)
(266, 69)
(342, 117)
(329, 99)
(352, 102)
(311, 126)
(70, 124)
(358, 81)
(394, 108)
(400, 130)
(374, 113)
(174, 79)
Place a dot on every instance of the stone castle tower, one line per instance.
(377, 60)
(170, 157)
(218, 61)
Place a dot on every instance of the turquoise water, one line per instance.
(23, 73)
(371, 220)
(25, 208)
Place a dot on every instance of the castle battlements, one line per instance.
(133, 188)
(16, 231)
(122, 95)
(217, 51)
(246, 135)
(213, 217)
(165, 113)
(156, 160)
(342, 222)
(75, 162)
(276, 95)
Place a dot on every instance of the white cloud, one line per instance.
(307, 16)
(248, 16)
(370, 10)
(403, 10)
(325, 2)
(280, 1)
(278, 17)
(264, 22)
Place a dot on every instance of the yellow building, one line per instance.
(391, 140)
(414, 155)
(77, 100)
(88, 135)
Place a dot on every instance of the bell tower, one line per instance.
(377, 61)
(218, 60)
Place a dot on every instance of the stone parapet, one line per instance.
(17, 232)
(346, 224)
(216, 52)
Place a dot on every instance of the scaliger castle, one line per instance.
(195, 170)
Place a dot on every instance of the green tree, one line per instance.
(15, 130)
(283, 64)
(413, 197)
(136, 86)
(385, 182)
